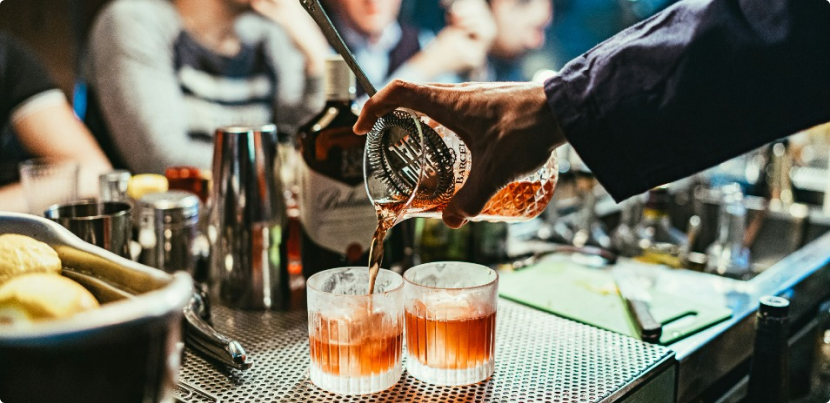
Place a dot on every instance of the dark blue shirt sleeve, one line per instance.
(699, 83)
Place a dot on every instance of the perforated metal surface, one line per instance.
(539, 357)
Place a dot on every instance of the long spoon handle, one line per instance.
(315, 9)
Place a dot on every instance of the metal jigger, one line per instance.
(247, 214)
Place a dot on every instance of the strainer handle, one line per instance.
(315, 9)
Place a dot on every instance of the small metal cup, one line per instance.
(168, 228)
(105, 224)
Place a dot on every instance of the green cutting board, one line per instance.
(588, 295)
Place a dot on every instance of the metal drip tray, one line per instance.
(539, 357)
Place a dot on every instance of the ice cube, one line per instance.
(344, 283)
(358, 341)
(450, 305)
(351, 326)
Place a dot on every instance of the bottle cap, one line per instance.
(773, 307)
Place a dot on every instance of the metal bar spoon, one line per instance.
(315, 9)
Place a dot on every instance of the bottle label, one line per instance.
(335, 215)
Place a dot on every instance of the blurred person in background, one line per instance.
(521, 26)
(164, 74)
(387, 49)
(37, 121)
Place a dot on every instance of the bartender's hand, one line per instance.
(508, 127)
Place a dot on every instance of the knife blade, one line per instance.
(637, 303)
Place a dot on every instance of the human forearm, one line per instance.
(700, 83)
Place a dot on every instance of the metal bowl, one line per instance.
(126, 351)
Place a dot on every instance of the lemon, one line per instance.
(142, 184)
(20, 254)
(38, 296)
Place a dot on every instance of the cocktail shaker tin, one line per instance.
(247, 217)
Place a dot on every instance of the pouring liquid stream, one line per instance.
(388, 214)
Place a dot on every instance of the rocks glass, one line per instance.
(450, 322)
(355, 338)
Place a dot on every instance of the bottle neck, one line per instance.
(657, 205)
(340, 83)
(769, 371)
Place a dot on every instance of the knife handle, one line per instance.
(650, 330)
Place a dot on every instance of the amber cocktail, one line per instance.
(450, 322)
(355, 338)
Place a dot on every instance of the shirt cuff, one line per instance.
(600, 149)
(37, 102)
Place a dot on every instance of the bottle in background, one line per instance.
(288, 153)
(488, 242)
(656, 238)
(820, 372)
(189, 179)
(337, 218)
(623, 239)
(728, 255)
(769, 370)
(437, 242)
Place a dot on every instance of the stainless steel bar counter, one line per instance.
(709, 356)
(539, 358)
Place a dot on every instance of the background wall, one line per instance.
(55, 29)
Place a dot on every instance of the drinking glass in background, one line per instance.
(106, 224)
(48, 181)
(355, 337)
(112, 185)
(450, 322)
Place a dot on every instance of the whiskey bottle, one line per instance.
(337, 218)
